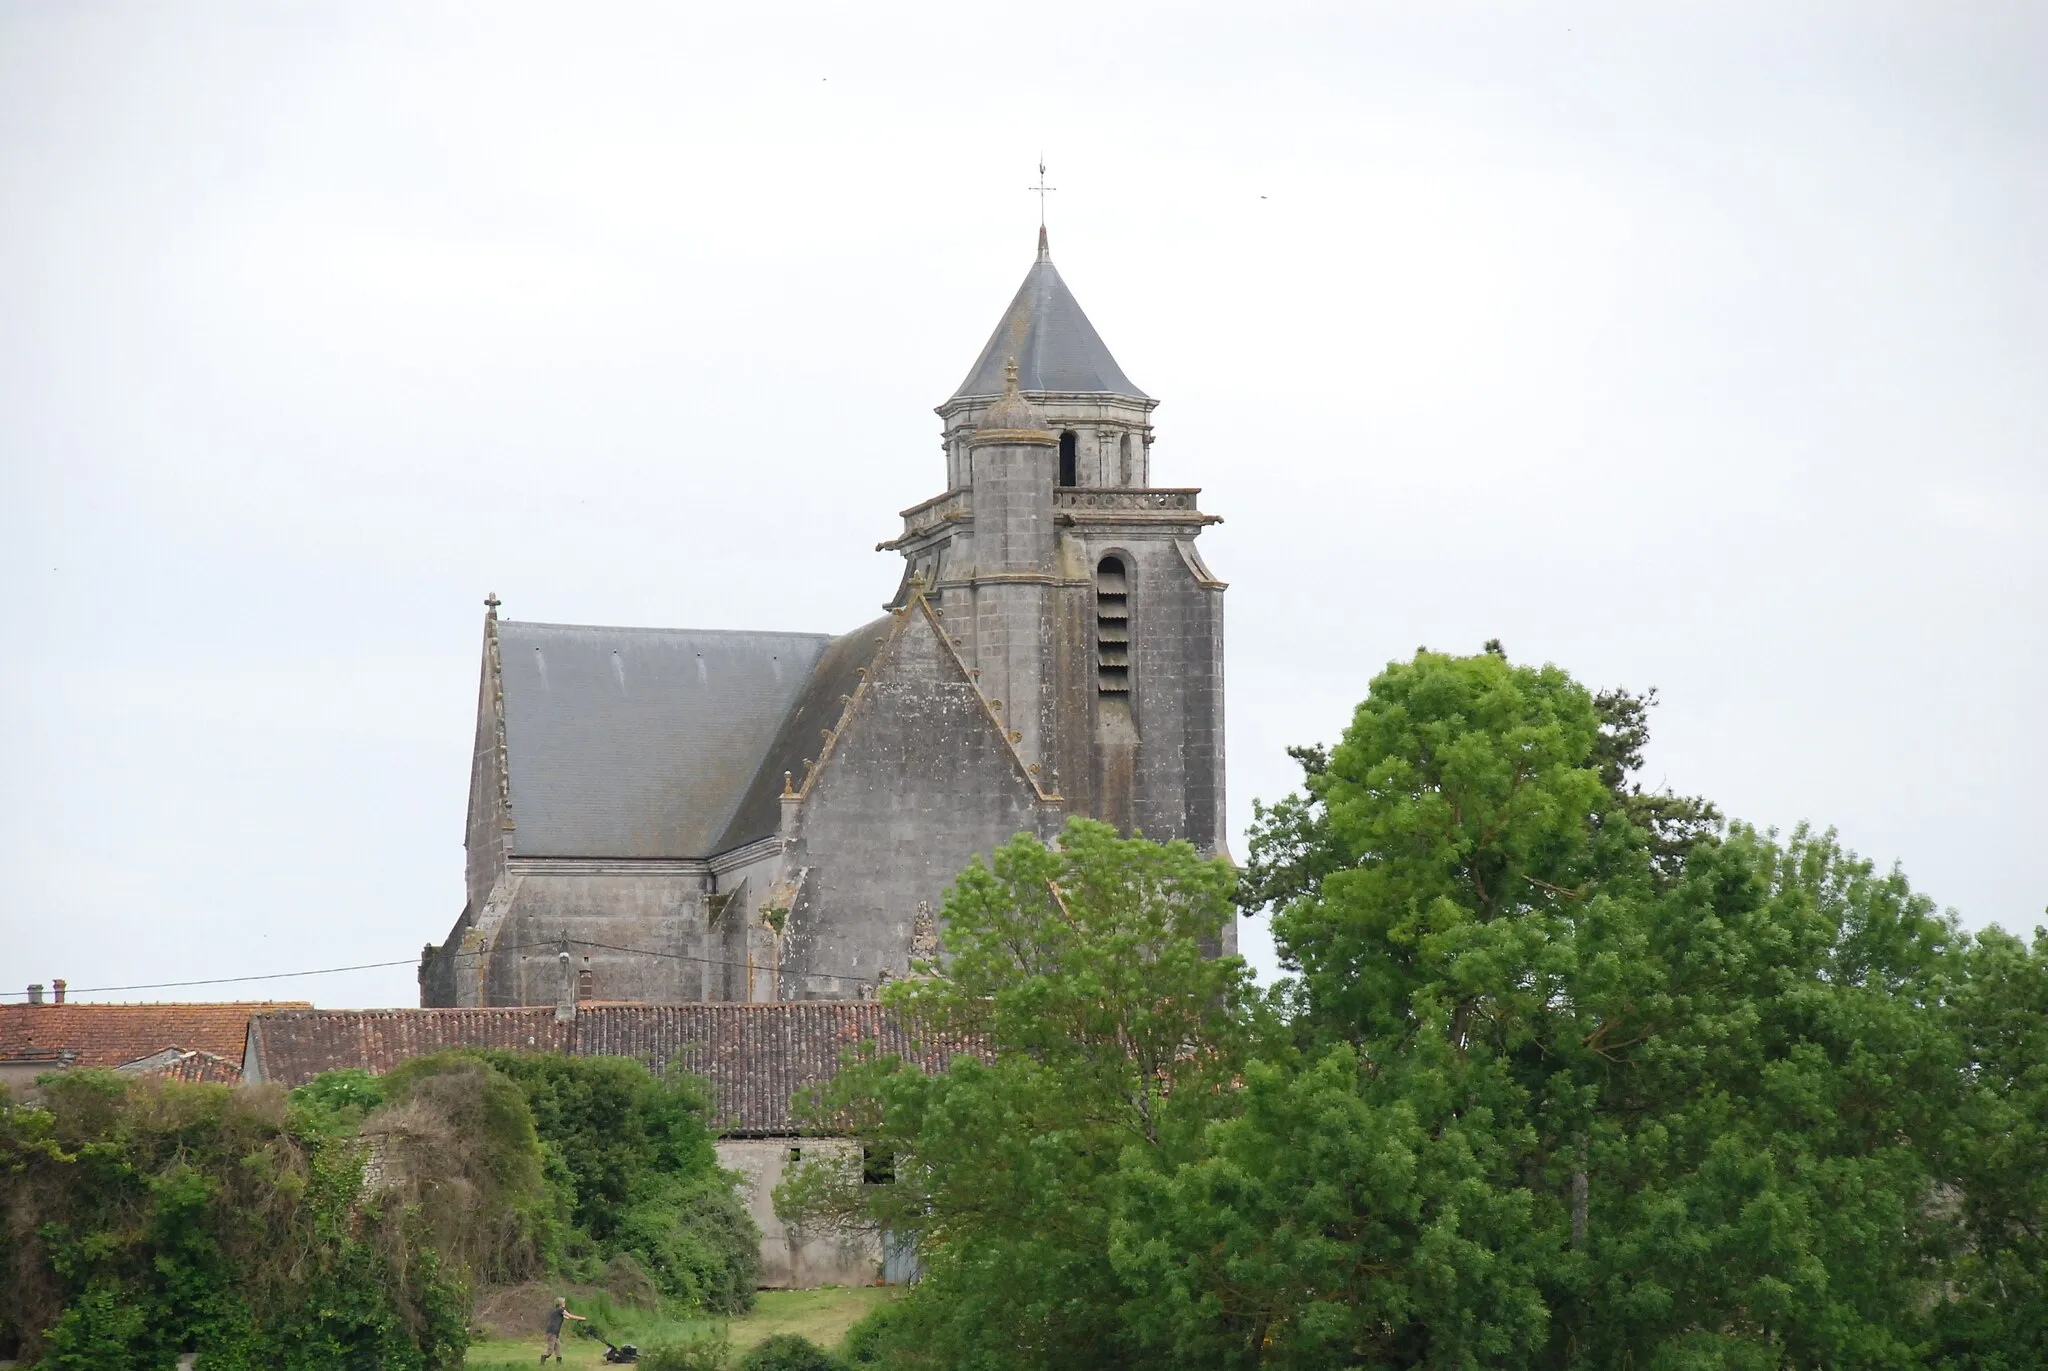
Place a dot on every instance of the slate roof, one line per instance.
(640, 742)
(756, 1056)
(113, 1035)
(1056, 348)
(822, 701)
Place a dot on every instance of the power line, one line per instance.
(681, 957)
(414, 961)
(217, 980)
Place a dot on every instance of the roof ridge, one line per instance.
(163, 1004)
(660, 628)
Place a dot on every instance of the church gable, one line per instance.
(918, 778)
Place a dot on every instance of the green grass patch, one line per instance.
(823, 1316)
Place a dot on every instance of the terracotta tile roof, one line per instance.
(111, 1035)
(193, 1068)
(756, 1056)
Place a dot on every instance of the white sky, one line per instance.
(1696, 346)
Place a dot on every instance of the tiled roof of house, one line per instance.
(756, 1056)
(112, 1035)
(192, 1068)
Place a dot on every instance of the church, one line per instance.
(675, 816)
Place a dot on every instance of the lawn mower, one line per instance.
(614, 1354)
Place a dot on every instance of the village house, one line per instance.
(187, 1042)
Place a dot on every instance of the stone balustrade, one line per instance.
(1118, 498)
(957, 504)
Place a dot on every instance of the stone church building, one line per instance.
(701, 815)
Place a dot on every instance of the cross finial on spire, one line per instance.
(1041, 190)
(491, 603)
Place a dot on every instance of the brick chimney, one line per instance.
(57, 991)
(585, 983)
(35, 993)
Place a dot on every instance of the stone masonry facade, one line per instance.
(695, 817)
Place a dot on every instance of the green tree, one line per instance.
(1993, 1314)
(1112, 1039)
(1703, 1072)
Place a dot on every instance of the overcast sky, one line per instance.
(1702, 347)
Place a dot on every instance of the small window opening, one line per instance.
(877, 1166)
(1070, 458)
(1112, 627)
(796, 1154)
(1124, 474)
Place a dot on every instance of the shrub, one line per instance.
(878, 1339)
(709, 1350)
(146, 1219)
(789, 1352)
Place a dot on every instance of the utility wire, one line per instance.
(414, 961)
(217, 980)
(679, 957)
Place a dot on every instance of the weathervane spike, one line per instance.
(1041, 190)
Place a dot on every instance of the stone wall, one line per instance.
(919, 780)
(792, 1260)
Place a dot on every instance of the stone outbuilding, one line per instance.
(756, 1058)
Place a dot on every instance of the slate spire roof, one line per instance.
(1056, 348)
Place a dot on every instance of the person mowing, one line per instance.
(555, 1317)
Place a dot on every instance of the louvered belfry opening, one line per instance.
(1112, 628)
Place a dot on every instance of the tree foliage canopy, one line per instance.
(347, 1225)
(1569, 1074)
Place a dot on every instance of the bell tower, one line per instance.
(1070, 581)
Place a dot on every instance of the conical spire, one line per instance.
(1050, 339)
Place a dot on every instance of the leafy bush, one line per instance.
(339, 1100)
(148, 1219)
(789, 1352)
(637, 1175)
(709, 1350)
(880, 1339)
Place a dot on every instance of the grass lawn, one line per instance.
(823, 1316)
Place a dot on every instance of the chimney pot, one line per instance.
(57, 991)
(35, 993)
